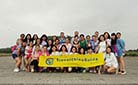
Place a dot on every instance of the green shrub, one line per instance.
(5, 50)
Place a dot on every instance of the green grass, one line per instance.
(132, 53)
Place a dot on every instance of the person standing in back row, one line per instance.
(120, 44)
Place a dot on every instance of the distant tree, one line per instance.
(5, 50)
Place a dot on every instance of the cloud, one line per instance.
(53, 16)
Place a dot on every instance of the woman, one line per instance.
(34, 39)
(44, 53)
(75, 42)
(49, 46)
(28, 39)
(111, 63)
(57, 44)
(16, 56)
(54, 51)
(120, 44)
(68, 44)
(102, 45)
(113, 43)
(38, 42)
(54, 39)
(28, 55)
(73, 51)
(91, 69)
(43, 40)
(81, 52)
(22, 54)
(107, 38)
(101, 48)
(83, 42)
(63, 51)
(35, 59)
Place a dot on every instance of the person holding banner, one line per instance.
(45, 53)
(73, 51)
(91, 69)
(34, 59)
(82, 52)
(111, 63)
(54, 51)
(63, 51)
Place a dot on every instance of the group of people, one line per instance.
(29, 48)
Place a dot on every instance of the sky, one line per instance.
(53, 16)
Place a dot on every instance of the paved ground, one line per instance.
(8, 77)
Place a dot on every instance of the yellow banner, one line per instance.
(75, 60)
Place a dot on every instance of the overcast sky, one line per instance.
(54, 16)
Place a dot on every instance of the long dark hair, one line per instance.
(113, 41)
(100, 37)
(108, 35)
(50, 51)
(65, 48)
(80, 50)
(34, 36)
(44, 35)
(72, 48)
(26, 38)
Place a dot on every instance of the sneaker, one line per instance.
(91, 71)
(16, 70)
(32, 70)
(94, 71)
(84, 71)
(123, 72)
(69, 69)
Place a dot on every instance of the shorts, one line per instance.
(120, 53)
(14, 56)
(34, 62)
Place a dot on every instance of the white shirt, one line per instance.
(111, 60)
(44, 43)
(108, 41)
(102, 46)
(55, 53)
